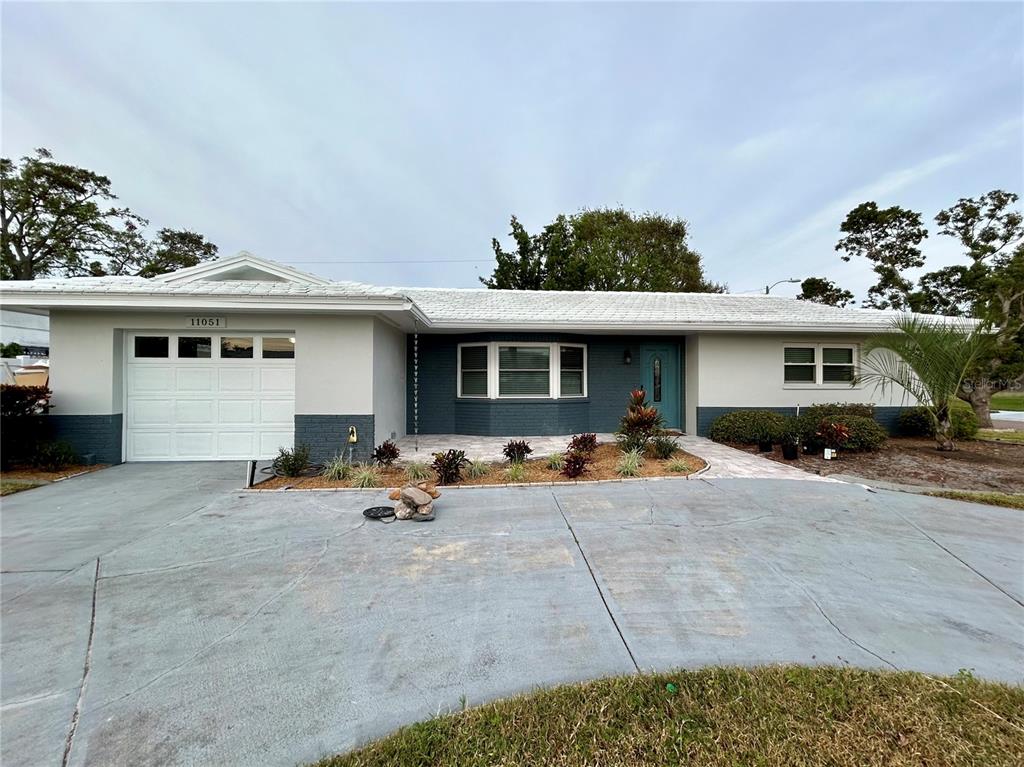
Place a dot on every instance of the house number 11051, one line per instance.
(207, 322)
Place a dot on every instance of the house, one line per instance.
(235, 358)
(28, 330)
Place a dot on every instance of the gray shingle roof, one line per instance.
(143, 286)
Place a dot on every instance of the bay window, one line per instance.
(526, 369)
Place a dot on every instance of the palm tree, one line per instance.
(928, 358)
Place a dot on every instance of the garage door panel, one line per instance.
(195, 378)
(237, 380)
(277, 412)
(237, 412)
(150, 445)
(195, 411)
(150, 379)
(277, 379)
(151, 412)
(208, 409)
(194, 444)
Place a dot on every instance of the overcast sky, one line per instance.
(318, 134)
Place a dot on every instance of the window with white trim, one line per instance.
(473, 370)
(819, 365)
(526, 369)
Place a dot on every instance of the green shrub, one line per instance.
(54, 456)
(291, 463)
(477, 469)
(22, 429)
(365, 476)
(630, 463)
(832, 409)
(662, 446)
(917, 422)
(448, 466)
(417, 471)
(865, 434)
(516, 472)
(11, 350)
(556, 461)
(679, 465)
(516, 450)
(748, 427)
(336, 469)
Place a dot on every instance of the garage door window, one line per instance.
(278, 348)
(151, 346)
(194, 347)
(236, 347)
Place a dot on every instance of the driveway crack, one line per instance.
(76, 714)
(597, 585)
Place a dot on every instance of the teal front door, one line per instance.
(661, 380)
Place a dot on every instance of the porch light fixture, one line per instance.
(627, 357)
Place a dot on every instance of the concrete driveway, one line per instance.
(213, 626)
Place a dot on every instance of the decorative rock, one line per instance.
(430, 489)
(424, 513)
(395, 494)
(404, 510)
(416, 497)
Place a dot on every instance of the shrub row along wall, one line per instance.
(887, 417)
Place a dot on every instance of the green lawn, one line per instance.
(1016, 437)
(726, 716)
(10, 486)
(1008, 400)
(1009, 500)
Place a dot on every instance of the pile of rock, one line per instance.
(415, 502)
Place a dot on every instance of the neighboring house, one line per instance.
(30, 331)
(237, 357)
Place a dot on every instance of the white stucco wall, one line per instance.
(747, 371)
(691, 378)
(389, 372)
(333, 358)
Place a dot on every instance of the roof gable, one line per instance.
(243, 266)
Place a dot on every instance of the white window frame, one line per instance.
(819, 365)
(554, 370)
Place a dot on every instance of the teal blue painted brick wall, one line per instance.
(609, 381)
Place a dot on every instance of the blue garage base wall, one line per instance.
(95, 435)
(887, 416)
(327, 436)
(609, 381)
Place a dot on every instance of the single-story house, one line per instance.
(235, 358)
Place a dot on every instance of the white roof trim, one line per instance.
(211, 269)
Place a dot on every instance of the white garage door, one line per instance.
(193, 397)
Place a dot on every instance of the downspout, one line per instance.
(416, 384)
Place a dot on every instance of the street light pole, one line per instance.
(768, 288)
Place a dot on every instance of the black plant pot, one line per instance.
(764, 446)
(790, 452)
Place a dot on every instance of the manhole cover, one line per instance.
(378, 512)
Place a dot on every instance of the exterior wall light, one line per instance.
(353, 435)
(627, 357)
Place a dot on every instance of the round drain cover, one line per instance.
(378, 512)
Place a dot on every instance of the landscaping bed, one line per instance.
(975, 465)
(41, 476)
(604, 464)
(726, 716)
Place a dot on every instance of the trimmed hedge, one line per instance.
(866, 434)
(748, 427)
(916, 422)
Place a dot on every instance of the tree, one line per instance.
(823, 291)
(59, 219)
(989, 287)
(606, 249)
(929, 359)
(889, 238)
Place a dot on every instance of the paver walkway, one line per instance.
(728, 462)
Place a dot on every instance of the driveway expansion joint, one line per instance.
(77, 713)
(597, 585)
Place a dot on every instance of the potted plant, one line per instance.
(791, 441)
(765, 434)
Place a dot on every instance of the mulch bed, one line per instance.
(975, 465)
(38, 475)
(606, 458)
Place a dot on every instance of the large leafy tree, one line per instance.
(823, 291)
(929, 360)
(605, 249)
(61, 219)
(989, 287)
(890, 239)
